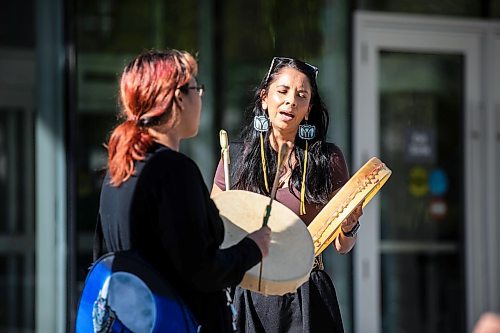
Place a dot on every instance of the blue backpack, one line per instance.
(123, 293)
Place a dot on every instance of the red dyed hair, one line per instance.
(147, 88)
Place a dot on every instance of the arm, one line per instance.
(192, 232)
(262, 236)
(219, 180)
(343, 244)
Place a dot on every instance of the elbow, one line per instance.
(342, 247)
(209, 281)
(344, 251)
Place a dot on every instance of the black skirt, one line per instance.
(312, 309)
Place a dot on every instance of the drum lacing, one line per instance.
(371, 178)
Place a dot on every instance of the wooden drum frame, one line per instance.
(361, 187)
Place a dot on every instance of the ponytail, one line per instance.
(147, 88)
(128, 143)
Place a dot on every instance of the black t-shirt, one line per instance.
(164, 211)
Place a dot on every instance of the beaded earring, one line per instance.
(261, 125)
(306, 132)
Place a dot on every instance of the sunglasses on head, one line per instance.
(275, 60)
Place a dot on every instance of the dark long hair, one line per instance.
(248, 173)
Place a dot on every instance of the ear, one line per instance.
(307, 113)
(179, 99)
(264, 106)
(306, 117)
(263, 98)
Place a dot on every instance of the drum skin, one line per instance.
(291, 252)
(360, 188)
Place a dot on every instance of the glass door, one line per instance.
(418, 106)
(422, 208)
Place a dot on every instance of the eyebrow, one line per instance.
(288, 87)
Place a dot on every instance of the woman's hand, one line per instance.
(262, 238)
(488, 323)
(347, 238)
(350, 222)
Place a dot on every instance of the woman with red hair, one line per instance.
(153, 198)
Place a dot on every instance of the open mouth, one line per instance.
(286, 115)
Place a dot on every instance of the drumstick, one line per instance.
(281, 158)
(224, 144)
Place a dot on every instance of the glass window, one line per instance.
(470, 8)
(253, 32)
(17, 159)
(17, 24)
(16, 219)
(109, 34)
(495, 8)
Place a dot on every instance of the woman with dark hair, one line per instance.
(153, 198)
(287, 108)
